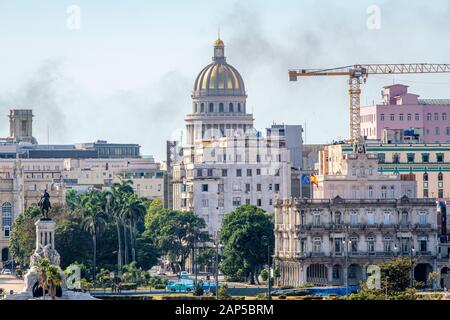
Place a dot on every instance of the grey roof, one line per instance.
(433, 101)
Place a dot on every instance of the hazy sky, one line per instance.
(127, 74)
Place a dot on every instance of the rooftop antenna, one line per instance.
(218, 32)
(48, 136)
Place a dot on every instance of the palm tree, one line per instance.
(43, 265)
(54, 280)
(94, 219)
(133, 211)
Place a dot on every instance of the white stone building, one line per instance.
(332, 239)
(226, 162)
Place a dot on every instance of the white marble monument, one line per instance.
(45, 248)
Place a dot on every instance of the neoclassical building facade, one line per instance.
(319, 241)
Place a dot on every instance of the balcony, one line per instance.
(422, 226)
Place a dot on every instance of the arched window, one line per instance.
(6, 215)
(5, 254)
(195, 107)
(230, 108)
(425, 176)
(440, 176)
(211, 107)
(221, 107)
(239, 107)
(202, 107)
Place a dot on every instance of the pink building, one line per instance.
(403, 117)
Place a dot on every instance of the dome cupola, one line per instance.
(219, 78)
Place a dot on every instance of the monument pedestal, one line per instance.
(45, 249)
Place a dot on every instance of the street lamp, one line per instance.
(269, 297)
(411, 263)
(346, 242)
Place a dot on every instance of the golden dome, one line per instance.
(219, 43)
(219, 79)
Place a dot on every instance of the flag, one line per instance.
(313, 180)
(305, 179)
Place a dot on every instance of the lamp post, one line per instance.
(268, 278)
(412, 266)
(346, 242)
(217, 266)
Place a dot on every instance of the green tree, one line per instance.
(94, 220)
(23, 237)
(146, 251)
(175, 233)
(245, 234)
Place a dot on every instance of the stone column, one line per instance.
(45, 233)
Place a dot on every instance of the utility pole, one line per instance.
(268, 277)
(217, 267)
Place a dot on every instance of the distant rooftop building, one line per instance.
(21, 126)
(403, 117)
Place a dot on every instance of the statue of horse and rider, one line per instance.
(44, 204)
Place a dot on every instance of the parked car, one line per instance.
(184, 274)
(182, 285)
(6, 272)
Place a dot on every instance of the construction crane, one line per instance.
(358, 74)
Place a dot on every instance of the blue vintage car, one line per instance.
(187, 285)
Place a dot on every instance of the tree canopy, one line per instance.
(245, 235)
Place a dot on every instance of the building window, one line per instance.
(277, 187)
(6, 218)
(440, 193)
(337, 245)
(439, 157)
(382, 117)
(317, 245)
(354, 244)
(205, 203)
(417, 117)
(221, 107)
(440, 176)
(220, 203)
(249, 172)
(387, 244)
(204, 188)
(230, 107)
(239, 108)
(336, 273)
(370, 217)
(447, 130)
(404, 218)
(199, 172)
(224, 172)
(258, 172)
(423, 244)
(247, 201)
(425, 176)
(316, 219)
(409, 117)
(353, 218)
(220, 188)
(236, 201)
(401, 117)
(370, 192)
(425, 157)
(370, 244)
(247, 187)
(429, 116)
(238, 172)
(259, 202)
(395, 158)
(410, 157)
(337, 217)
(436, 131)
(392, 117)
(381, 157)
(202, 107)
(387, 218)
(444, 116)
(210, 172)
(436, 116)
(384, 192)
(425, 193)
(211, 107)
(270, 187)
(352, 271)
(392, 191)
(423, 217)
(258, 187)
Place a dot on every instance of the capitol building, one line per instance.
(226, 161)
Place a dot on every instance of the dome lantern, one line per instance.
(219, 50)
